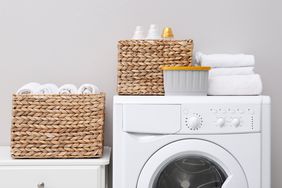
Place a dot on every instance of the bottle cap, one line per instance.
(167, 33)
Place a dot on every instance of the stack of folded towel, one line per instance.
(36, 88)
(231, 74)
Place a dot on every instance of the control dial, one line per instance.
(235, 122)
(194, 122)
(220, 122)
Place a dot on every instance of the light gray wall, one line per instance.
(69, 41)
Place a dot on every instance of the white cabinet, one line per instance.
(53, 173)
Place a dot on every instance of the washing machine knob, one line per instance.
(220, 122)
(235, 122)
(194, 122)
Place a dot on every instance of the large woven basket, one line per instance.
(58, 126)
(140, 61)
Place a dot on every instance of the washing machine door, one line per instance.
(192, 163)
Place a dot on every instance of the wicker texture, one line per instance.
(140, 61)
(57, 126)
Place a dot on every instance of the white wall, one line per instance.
(69, 41)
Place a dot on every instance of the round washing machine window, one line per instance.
(191, 171)
(192, 163)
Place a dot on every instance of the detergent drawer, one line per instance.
(152, 118)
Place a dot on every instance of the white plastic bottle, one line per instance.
(138, 33)
(153, 33)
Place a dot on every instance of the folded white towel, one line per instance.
(88, 89)
(48, 89)
(30, 88)
(68, 89)
(235, 85)
(225, 60)
(231, 71)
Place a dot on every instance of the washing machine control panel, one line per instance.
(211, 119)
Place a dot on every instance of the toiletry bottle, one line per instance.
(167, 33)
(139, 33)
(153, 33)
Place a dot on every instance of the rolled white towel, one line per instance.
(68, 89)
(225, 60)
(30, 88)
(231, 71)
(235, 85)
(48, 89)
(88, 89)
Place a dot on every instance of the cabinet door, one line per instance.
(52, 177)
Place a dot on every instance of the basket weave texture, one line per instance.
(140, 62)
(58, 126)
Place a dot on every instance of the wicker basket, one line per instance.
(58, 126)
(140, 61)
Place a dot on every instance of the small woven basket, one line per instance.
(58, 126)
(140, 62)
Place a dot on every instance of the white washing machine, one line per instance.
(191, 142)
